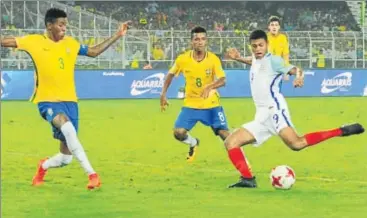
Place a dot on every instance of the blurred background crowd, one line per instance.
(161, 30)
(228, 16)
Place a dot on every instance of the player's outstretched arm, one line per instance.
(96, 50)
(234, 54)
(8, 42)
(216, 84)
(167, 83)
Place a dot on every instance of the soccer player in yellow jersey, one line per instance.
(54, 55)
(203, 75)
(278, 42)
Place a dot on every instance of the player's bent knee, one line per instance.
(61, 117)
(230, 143)
(59, 120)
(180, 134)
(296, 145)
(292, 140)
(294, 148)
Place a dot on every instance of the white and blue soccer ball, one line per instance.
(282, 177)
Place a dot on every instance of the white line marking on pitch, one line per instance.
(180, 167)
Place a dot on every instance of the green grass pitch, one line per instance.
(144, 172)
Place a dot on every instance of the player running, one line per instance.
(54, 55)
(203, 75)
(272, 115)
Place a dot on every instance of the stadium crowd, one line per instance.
(325, 16)
(238, 17)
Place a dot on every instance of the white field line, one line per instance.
(233, 172)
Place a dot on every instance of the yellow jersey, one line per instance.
(278, 45)
(321, 61)
(197, 76)
(54, 66)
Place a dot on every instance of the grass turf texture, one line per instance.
(144, 172)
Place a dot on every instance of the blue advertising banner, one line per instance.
(109, 84)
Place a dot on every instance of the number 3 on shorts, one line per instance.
(221, 116)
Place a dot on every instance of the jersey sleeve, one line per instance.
(278, 64)
(80, 48)
(176, 68)
(83, 50)
(25, 43)
(218, 69)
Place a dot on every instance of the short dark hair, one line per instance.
(258, 34)
(52, 14)
(197, 29)
(274, 19)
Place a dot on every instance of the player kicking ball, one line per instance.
(272, 115)
(54, 55)
(203, 75)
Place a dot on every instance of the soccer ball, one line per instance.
(282, 177)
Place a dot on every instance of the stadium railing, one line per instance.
(346, 50)
(30, 14)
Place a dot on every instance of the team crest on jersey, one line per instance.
(67, 50)
(208, 72)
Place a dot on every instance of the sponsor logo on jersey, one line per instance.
(341, 82)
(152, 84)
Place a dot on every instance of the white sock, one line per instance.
(75, 147)
(190, 140)
(59, 160)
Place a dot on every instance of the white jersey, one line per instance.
(265, 80)
(272, 114)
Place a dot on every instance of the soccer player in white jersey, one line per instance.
(272, 115)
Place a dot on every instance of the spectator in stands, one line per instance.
(158, 55)
(147, 66)
(320, 62)
(216, 16)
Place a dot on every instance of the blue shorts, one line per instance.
(49, 110)
(213, 117)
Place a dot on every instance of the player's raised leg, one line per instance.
(61, 159)
(233, 143)
(68, 130)
(297, 143)
(64, 118)
(185, 122)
